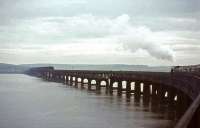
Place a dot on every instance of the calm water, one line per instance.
(28, 102)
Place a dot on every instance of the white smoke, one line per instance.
(143, 38)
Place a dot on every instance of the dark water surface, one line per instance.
(28, 102)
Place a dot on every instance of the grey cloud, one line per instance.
(44, 22)
(165, 23)
(38, 8)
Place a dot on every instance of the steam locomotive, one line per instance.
(192, 68)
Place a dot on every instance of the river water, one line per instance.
(29, 102)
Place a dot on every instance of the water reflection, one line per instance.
(28, 102)
(163, 109)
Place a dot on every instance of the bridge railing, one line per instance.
(186, 120)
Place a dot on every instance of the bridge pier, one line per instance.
(171, 97)
(71, 81)
(58, 78)
(146, 93)
(48, 76)
(89, 85)
(76, 82)
(98, 86)
(161, 93)
(155, 90)
(128, 88)
(107, 85)
(137, 89)
(146, 89)
(67, 79)
(111, 87)
(119, 88)
(45, 76)
(82, 82)
(62, 78)
(55, 78)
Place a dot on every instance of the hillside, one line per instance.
(10, 68)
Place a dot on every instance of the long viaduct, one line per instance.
(181, 88)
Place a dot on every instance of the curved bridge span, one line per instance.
(175, 87)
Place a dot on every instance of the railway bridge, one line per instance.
(180, 88)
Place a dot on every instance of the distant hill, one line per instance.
(10, 68)
(114, 67)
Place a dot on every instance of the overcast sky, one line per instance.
(147, 32)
